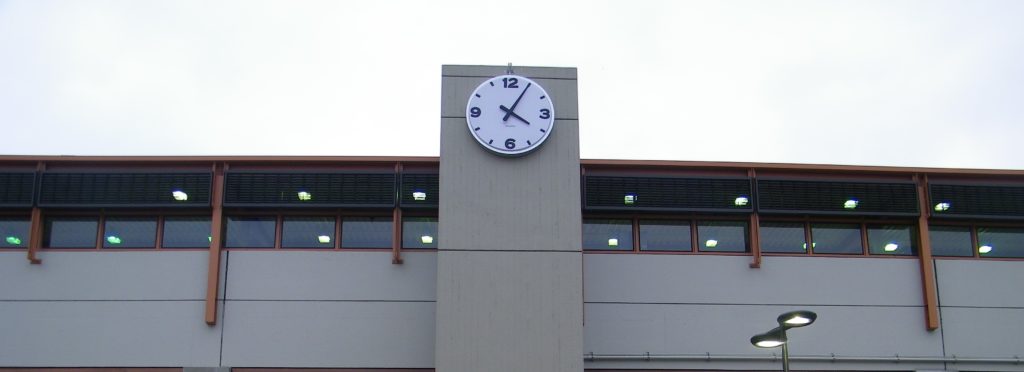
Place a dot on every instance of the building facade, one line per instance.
(476, 262)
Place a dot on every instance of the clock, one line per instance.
(510, 115)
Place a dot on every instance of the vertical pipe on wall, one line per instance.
(931, 301)
(216, 219)
(35, 234)
(755, 224)
(396, 220)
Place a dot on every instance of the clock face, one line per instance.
(510, 115)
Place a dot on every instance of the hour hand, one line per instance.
(510, 112)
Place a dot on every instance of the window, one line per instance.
(70, 232)
(783, 237)
(14, 232)
(665, 236)
(897, 240)
(607, 235)
(251, 232)
(419, 232)
(308, 232)
(952, 241)
(366, 232)
(1000, 242)
(832, 238)
(721, 236)
(129, 232)
(186, 232)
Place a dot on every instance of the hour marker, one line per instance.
(476, 129)
(542, 130)
(477, 95)
(543, 97)
(529, 143)
(492, 83)
(491, 141)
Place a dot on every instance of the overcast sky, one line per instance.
(909, 83)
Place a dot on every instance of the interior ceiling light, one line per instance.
(113, 239)
(419, 195)
(323, 239)
(179, 195)
(813, 245)
(741, 201)
(613, 242)
(942, 207)
(427, 239)
(13, 240)
(304, 196)
(891, 247)
(630, 199)
(711, 243)
(985, 249)
(851, 204)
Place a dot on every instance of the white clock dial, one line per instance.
(510, 115)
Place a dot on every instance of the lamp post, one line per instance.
(777, 336)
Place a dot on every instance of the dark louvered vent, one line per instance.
(838, 198)
(977, 201)
(125, 190)
(17, 188)
(423, 186)
(667, 194)
(369, 190)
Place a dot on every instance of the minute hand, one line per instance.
(516, 103)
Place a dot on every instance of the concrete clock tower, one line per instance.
(509, 265)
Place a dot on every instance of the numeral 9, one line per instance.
(474, 112)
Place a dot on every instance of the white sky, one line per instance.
(914, 83)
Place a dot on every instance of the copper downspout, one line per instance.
(216, 220)
(755, 225)
(35, 234)
(931, 301)
(396, 223)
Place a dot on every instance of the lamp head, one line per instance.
(773, 338)
(798, 318)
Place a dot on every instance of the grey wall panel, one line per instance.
(105, 275)
(520, 312)
(562, 94)
(980, 283)
(106, 333)
(726, 330)
(980, 332)
(729, 280)
(335, 334)
(536, 202)
(488, 71)
(308, 275)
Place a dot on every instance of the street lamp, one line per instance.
(777, 336)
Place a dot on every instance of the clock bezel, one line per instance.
(496, 149)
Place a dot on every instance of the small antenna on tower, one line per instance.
(509, 70)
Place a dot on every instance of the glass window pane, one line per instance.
(307, 232)
(895, 240)
(950, 241)
(833, 238)
(366, 232)
(419, 232)
(1000, 242)
(186, 232)
(70, 232)
(14, 232)
(721, 236)
(607, 235)
(783, 237)
(665, 236)
(129, 232)
(251, 232)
